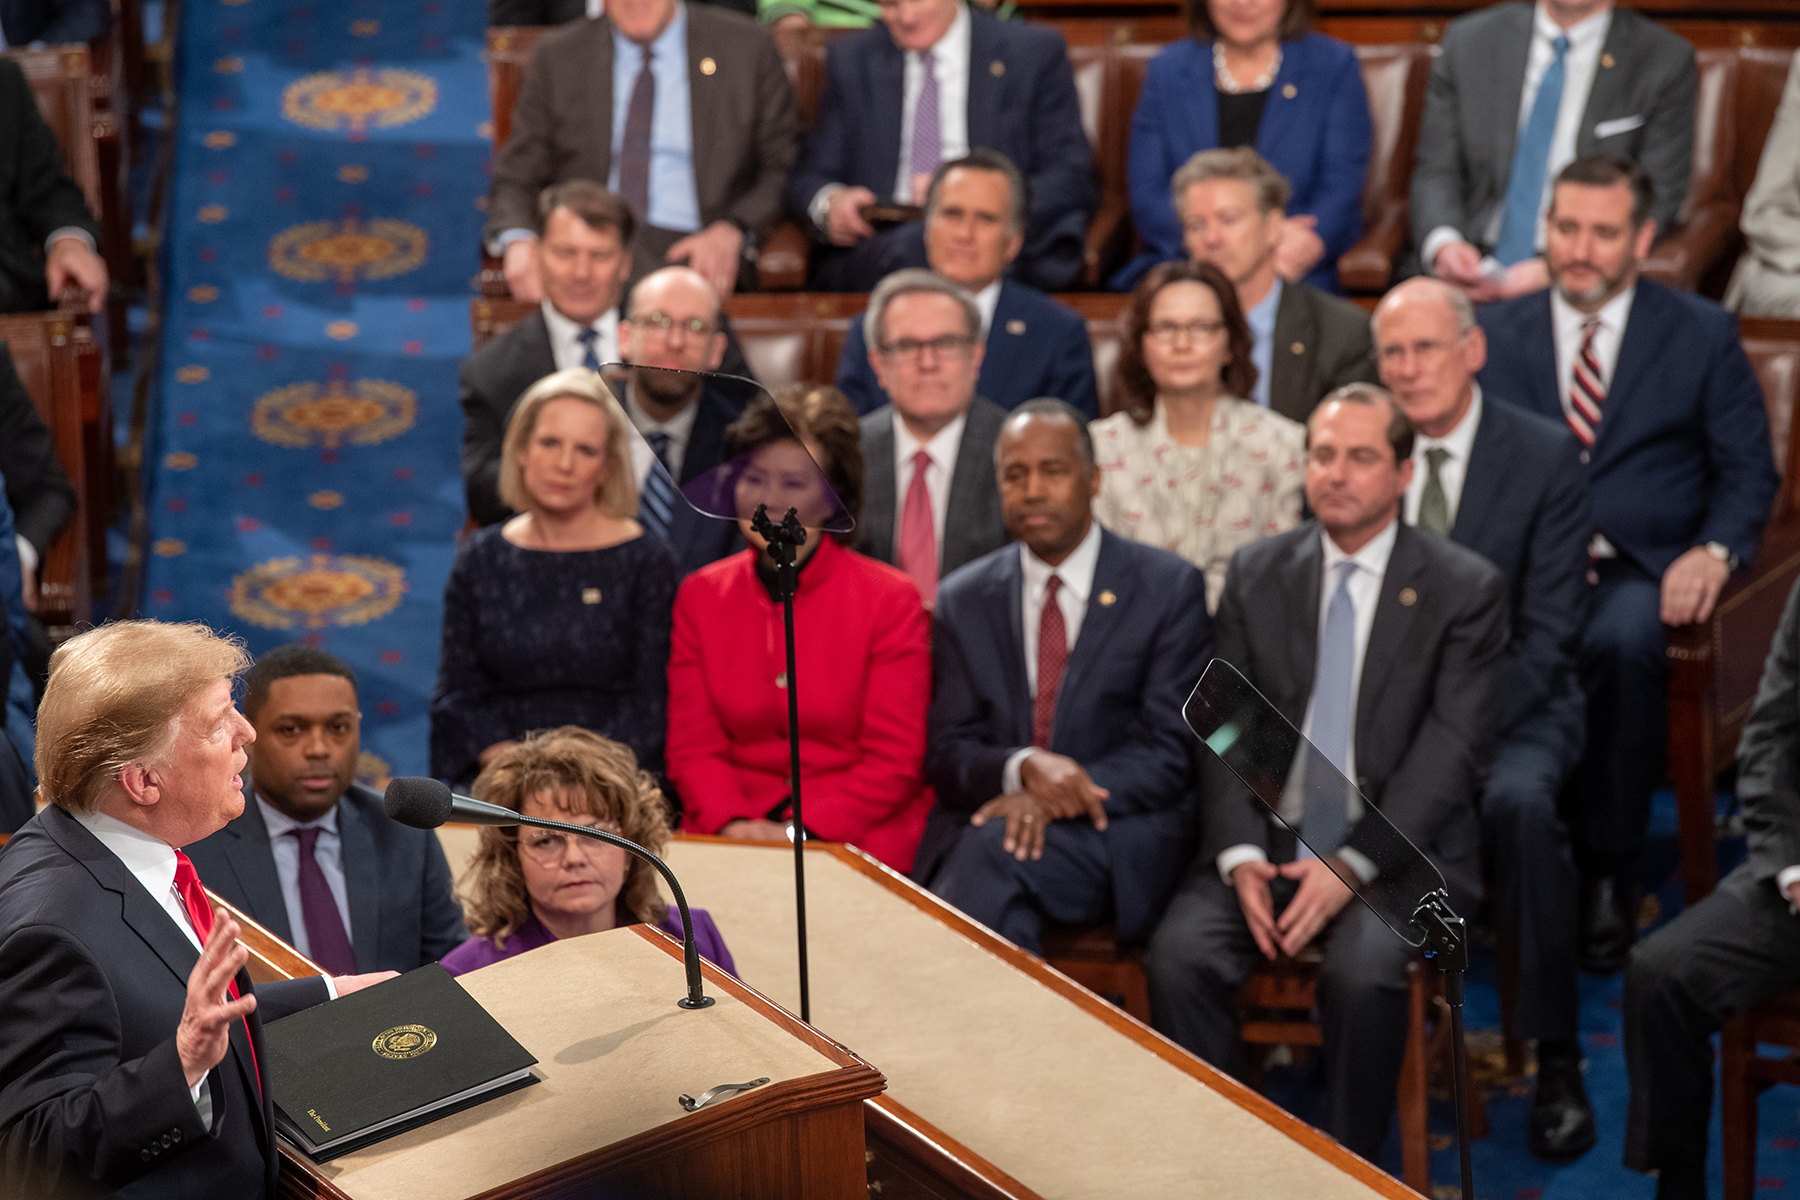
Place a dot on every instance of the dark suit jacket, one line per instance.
(36, 196)
(1645, 99)
(57, 22)
(1022, 102)
(973, 526)
(1425, 712)
(1036, 346)
(1118, 714)
(402, 910)
(1768, 781)
(559, 12)
(743, 116)
(1683, 453)
(1525, 508)
(93, 979)
(1322, 342)
(41, 496)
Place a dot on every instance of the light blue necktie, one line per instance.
(1525, 189)
(656, 506)
(1334, 683)
(586, 337)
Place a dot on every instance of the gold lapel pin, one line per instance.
(1107, 599)
(1298, 347)
(590, 595)
(1015, 326)
(1408, 597)
(1290, 91)
(996, 68)
(1606, 60)
(708, 66)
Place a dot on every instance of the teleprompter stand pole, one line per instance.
(1447, 948)
(784, 540)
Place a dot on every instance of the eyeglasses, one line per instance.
(1167, 333)
(1394, 353)
(661, 323)
(546, 847)
(950, 345)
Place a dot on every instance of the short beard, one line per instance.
(1590, 300)
(667, 388)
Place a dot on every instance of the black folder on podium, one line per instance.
(384, 1060)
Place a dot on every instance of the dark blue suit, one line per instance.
(1525, 508)
(1682, 459)
(698, 540)
(402, 910)
(1118, 715)
(1315, 130)
(1036, 346)
(1022, 102)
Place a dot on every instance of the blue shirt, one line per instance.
(674, 204)
(1261, 320)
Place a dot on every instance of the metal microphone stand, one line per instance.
(784, 540)
(1447, 947)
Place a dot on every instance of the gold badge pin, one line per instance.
(1015, 326)
(1298, 347)
(708, 66)
(1606, 60)
(1290, 91)
(781, 680)
(1107, 599)
(590, 595)
(996, 68)
(1408, 597)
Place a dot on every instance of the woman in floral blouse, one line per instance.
(1186, 464)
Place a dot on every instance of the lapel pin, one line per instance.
(590, 595)
(1408, 597)
(1298, 347)
(996, 68)
(708, 66)
(1015, 326)
(1606, 60)
(781, 680)
(1107, 599)
(1290, 91)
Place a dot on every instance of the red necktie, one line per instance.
(200, 916)
(1053, 655)
(918, 535)
(1587, 391)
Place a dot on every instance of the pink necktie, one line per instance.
(918, 537)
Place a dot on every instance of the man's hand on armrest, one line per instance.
(520, 264)
(1062, 788)
(73, 263)
(843, 221)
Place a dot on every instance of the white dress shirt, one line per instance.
(1579, 64)
(328, 852)
(565, 338)
(1077, 575)
(950, 64)
(943, 449)
(986, 300)
(1566, 321)
(1459, 443)
(1364, 587)
(679, 428)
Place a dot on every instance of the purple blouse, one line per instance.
(480, 952)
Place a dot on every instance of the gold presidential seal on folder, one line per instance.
(404, 1041)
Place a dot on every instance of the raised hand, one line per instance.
(205, 1030)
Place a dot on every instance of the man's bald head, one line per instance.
(1428, 347)
(671, 322)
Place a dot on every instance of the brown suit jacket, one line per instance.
(745, 126)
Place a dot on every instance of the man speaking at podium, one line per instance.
(128, 1053)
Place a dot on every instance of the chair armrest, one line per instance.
(1367, 266)
(491, 282)
(781, 260)
(1691, 249)
(1106, 245)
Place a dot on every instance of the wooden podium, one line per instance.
(614, 1052)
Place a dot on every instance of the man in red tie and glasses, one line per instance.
(129, 1031)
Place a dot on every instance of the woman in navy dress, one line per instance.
(561, 615)
(1253, 75)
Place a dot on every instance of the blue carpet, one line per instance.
(320, 243)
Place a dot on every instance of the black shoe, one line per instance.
(1608, 925)
(1562, 1120)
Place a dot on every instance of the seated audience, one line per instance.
(673, 334)
(1254, 76)
(1519, 92)
(1767, 280)
(1187, 464)
(1383, 647)
(1675, 436)
(1305, 341)
(1510, 486)
(529, 887)
(560, 12)
(705, 190)
(863, 655)
(934, 80)
(47, 234)
(561, 615)
(314, 858)
(1058, 750)
(975, 213)
(929, 453)
(18, 730)
(42, 499)
(1735, 948)
(53, 22)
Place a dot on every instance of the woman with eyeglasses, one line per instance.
(529, 887)
(559, 616)
(1188, 464)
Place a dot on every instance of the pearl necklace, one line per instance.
(1222, 73)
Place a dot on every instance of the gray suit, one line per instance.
(1767, 280)
(1321, 342)
(974, 526)
(1471, 122)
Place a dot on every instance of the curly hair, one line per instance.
(562, 760)
(1133, 389)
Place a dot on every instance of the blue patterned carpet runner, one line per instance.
(321, 239)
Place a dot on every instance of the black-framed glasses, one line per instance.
(950, 345)
(662, 323)
(1168, 332)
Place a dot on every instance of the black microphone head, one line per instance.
(417, 801)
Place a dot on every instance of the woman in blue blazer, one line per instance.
(1252, 75)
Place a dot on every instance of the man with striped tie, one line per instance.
(1655, 385)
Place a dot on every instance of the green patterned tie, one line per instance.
(1434, 510)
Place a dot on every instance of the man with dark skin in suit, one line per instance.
(308, 734)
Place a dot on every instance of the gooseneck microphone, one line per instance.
(426, 803)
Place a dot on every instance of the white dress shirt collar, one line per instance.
(1460, 443)
(565, 338)
(280, 823)
(987, 299)
(1567, 321)
(950, 66)
(1076, 574)
(150, 860)
(679, 428)
(1372, 558)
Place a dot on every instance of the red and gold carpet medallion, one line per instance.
(359, 413)
(354, 101)
(317, 591)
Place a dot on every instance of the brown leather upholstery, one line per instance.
(1743, 1074)
(1395, 78)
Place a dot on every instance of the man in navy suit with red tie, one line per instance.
(1655, 385)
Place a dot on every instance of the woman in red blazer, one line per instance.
(863, 649)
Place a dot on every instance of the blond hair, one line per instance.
(601, 778)
(616, 494)
(115, 697)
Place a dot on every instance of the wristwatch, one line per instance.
(1722, 552)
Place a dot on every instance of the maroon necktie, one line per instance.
(200, 916)
(1587, 391)
(634, 149)
(327, 943)
(1053, 655)
(918, 536)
